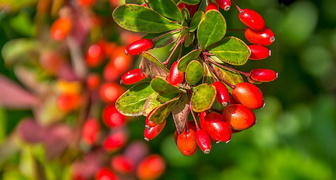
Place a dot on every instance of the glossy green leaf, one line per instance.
(131, 102)
(227, 75)
(165, 97)
(161, 86)
(164, 40)
(194, 72)
(19, 50)
(141, 19)
(203, 96)
(211, 29)
(191, 1)
(195, 21)
(181, 113)
(162, 112)
(166, 8)
(207, 74)
(231, 50)
(186, 59)
(186, 15)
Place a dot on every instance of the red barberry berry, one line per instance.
(186, 142)
(252, 19)
(222, 95)
(259, 52)
(105, 174)
(61, 28)
(175, 76)
(110, 92)
(203, 140)
(121, 164)
(133, 76)
(115, 141)
(152, 132)
(112, 117)
(95, 55)
(239, 116)
(211, 6)
(248, 95)
(224, 4)
(217, 127)
(151, 167)
(90, 131)
(264, 38)
(139, 46)
(263, 75)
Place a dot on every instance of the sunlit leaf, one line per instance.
(140, 19)
(195, 21)
(211, 29)
(203, 97)
(186, 59)
(231, 50)
(161, 86)
(167, 8)
(131, 102)
(194, 72)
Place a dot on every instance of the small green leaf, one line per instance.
(167, 8)
(186, 59)
(186, 14)
(131, 102)
(194, 72)
(181, 113)
(151, 69)
(162, 112)
(141, 19)
(231, 50)
(227, 75)
(203, 97)
(165, 97)
(165, 40)
(153, 59)
(211, 29)
(191, 1)
(195, 21)
(161, 86)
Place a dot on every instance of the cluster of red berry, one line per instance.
(201, 83)
(82, 69)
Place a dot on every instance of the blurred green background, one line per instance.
(295, 136)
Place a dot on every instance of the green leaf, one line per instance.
(165, 40)
(19, 50)
(231, 50)
(227, 75)
(194, 72)
(191, 1)
(161, 86)
(153, 59)
(162, 112)
(207, 74)
(186, 59)
(211, 29)
(195, 21)
(203, 97)
(181, 113)
(131, 102)
(151, 103)
(141, 19)
(167, 8)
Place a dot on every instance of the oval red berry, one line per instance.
(264, 38)
(139, 46)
